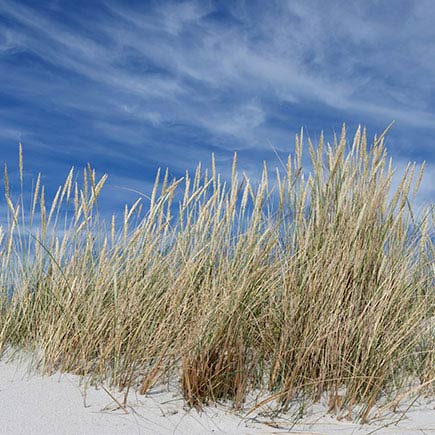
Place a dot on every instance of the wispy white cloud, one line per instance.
(161, 81)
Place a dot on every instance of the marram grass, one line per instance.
(298, 286)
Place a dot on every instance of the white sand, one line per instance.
(56, 405)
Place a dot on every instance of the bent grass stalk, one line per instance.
(310, 284)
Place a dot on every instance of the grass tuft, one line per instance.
(305, 284)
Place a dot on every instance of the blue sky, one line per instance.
(133, 85)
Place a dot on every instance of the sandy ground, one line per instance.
(58, 405)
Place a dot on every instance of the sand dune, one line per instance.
(60, 405)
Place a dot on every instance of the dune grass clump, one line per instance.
(302, 285)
